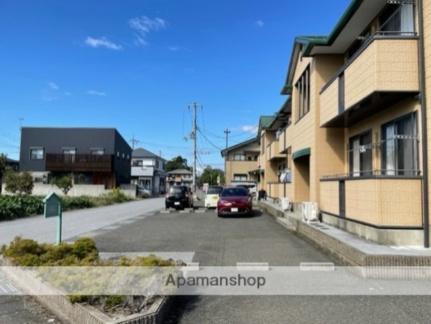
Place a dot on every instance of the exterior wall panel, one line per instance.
(385, 202)
(386, 65)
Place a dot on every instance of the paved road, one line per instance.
(78, 222)
(227, 241)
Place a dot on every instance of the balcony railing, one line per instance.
(408, 173)
(79, 163)
(382, 72)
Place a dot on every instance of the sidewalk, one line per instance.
(350, 248)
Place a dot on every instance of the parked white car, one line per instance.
(212, 196)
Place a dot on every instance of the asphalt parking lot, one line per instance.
(225, 241)
(215, 241)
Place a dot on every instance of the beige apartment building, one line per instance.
(241, 162)
(353, 134)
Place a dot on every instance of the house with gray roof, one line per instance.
(148, 172)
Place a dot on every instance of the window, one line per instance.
(400, 147)
(361, 155)
(357, 44)
(97, 151)
(303, 91)
(397, 19)
(234, 192)
(36, 153)
(239, 157)
(137, 163)
(240, 177)
(69, 151)
(69, 154)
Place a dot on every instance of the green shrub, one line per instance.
(12, 207)
(63, 182)
(25, 252)
(114, 300)
(70, 203)
(116, 196)
(19, 182)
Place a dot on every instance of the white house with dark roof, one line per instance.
(148, 171)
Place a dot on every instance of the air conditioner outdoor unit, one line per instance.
(285, 204)
(310, 212)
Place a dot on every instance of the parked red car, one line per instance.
(234, 201)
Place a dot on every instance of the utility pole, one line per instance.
(227, 132)
(134, 141)
(194, 106)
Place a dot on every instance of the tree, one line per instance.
(64, 183)
(211, 176)
(3, 164)
(177, 163)
(19, 183)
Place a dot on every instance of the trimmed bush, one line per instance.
(12, 207)
(25, 252)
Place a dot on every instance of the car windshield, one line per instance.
(214, 190)
(176, 190)
(234, 192)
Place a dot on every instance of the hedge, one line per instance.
(12, 207)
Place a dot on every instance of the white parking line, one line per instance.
(317, 266)
(252, 266)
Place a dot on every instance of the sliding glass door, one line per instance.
(400, 147)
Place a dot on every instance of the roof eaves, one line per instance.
(233, 147)
(309, 42)
(342, 22)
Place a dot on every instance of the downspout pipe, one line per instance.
(423, 100)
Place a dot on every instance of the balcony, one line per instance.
(142, 171)
(273, 151)
(379, 201)
(79, 163)
(285, 140)
(382, 73)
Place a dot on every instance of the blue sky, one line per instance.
(136, 65)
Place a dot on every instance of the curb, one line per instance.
(60, 305)
(347, 254)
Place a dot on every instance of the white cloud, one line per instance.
(67, 93)
(96, 93)
(143, 26)
(260, 23)
(102, 42)
(174, 48)
(249, 128)
(53, 85)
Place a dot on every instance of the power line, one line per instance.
(209, 141)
